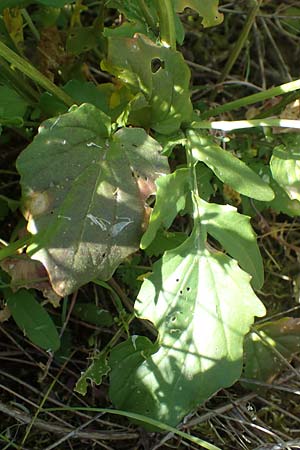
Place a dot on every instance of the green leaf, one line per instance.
(285, 166)
(208, 9)
(33, 320)
(262, 345)
(165, 240)
(170, 200)
(159, 73)
(22, 3)
(126, 358)
(281, 203)
(91, 313)
(12, 106)
(84, 194)
(95, 373)
(234, 232)
(139, 18)
(202, 305)
(82, 39)
(228, 168)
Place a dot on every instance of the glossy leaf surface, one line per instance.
(84, 194)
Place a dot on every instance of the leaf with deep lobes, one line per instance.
(94, 373)
(159, 73)
(84, 193)
(202, 305)
(170, 200)
(234, 232)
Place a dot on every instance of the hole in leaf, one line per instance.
(157, 64)
(173, 318)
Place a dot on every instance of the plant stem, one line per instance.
(17, 81)
(24, 66)
(227, 125)
(240, 42)
(12, 248)
(254, 98)
(166, 22)
(147, 14)
(30, 24)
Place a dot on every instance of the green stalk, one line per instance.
(30, 24)
(154, 423)
(240, 42)
(166, 17)
(13, 247)
(25, 67)
(16, 80)
(227, 125)
(147, 14)
(254, 98)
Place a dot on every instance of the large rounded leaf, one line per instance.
(202, 305)
(84, 194)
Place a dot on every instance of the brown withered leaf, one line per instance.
(28, 273)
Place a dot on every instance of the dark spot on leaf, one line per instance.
(180, 292)
(103, 255)
(173, 319)
(157, 64)
(188, 289)
(177, 279)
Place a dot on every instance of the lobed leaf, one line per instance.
(202, 305)
(170, 200)
(94, 373)
(159, 74)
(84, 194)
(234, 232)
(227, 167)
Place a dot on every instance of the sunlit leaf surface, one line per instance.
(202, 305)
(84, 194)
